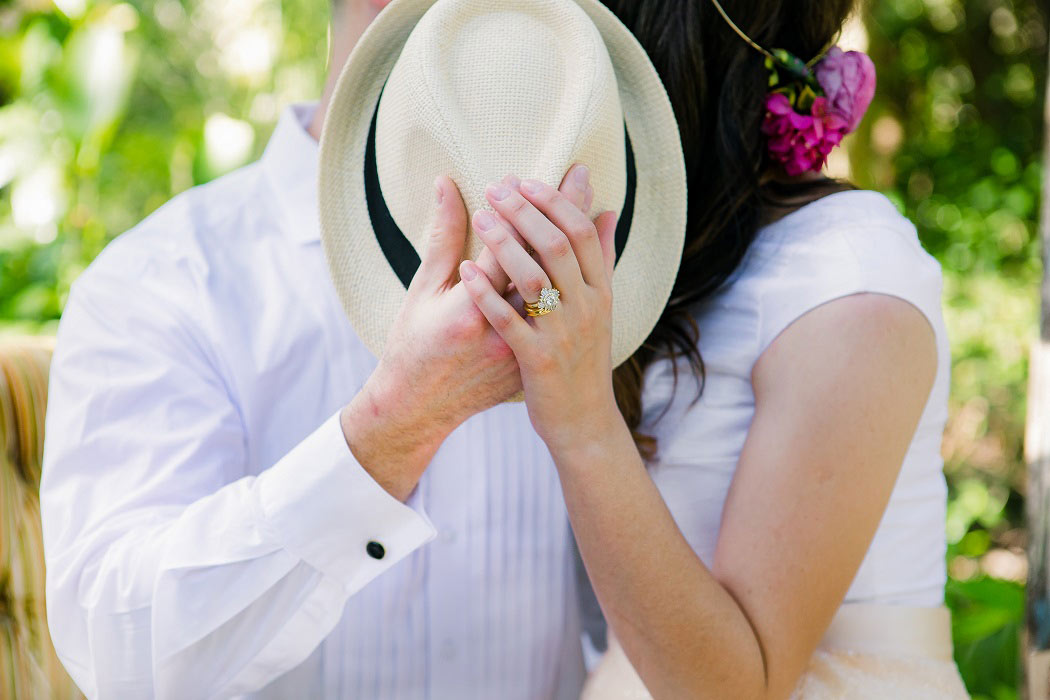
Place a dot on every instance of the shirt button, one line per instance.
(448, 536)
(375, 550)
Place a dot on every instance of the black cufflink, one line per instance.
(375, 550)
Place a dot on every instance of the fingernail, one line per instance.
(440, 194)
(467, 271)
(532, 186)
(485, 220)
(513, 181)
(582, 175)
(499, 192)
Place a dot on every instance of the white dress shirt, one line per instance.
(206, 526)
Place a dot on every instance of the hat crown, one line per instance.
(483, 88)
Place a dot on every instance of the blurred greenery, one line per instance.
(108, 109)
(954, 138)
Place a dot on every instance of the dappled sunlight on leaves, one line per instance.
(109, 109)
(954, 139)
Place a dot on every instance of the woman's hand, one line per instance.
(564, 356)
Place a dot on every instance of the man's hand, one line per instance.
(442, 362)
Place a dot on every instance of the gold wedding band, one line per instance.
(549, 300)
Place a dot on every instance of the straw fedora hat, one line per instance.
(477, 89)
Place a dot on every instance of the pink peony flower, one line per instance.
(848, 81)
(801, 142)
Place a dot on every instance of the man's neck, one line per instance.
(346, 29)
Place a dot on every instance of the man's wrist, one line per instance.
(389, 437)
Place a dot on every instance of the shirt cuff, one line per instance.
(324, 508)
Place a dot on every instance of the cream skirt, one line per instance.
(870, 652)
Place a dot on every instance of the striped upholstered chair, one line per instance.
(29, 667)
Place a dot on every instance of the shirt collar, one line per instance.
(290, 163)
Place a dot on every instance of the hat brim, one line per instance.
(372, 293)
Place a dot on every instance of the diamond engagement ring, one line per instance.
(549, 300)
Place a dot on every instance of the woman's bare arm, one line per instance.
(838, 395)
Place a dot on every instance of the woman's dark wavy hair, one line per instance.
(717, 85)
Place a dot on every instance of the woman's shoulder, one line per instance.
(845, 243)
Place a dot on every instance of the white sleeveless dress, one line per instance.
(842, 244)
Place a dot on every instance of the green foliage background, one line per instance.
(108, 109)
(954, 138)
